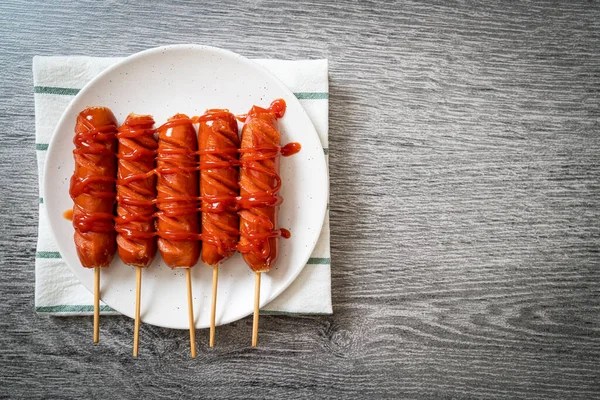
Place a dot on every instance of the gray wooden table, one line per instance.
(465, 204)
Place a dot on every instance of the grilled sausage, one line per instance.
(136, 191)
(93, 186)
(177, 193)
(218, 146)
(259, 187)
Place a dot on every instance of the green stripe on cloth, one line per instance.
(47, 254)
(319, 261)
(56, 254)
(44, 146)
(72, 92)
(56, 90)
(312, 95)
(71, 309)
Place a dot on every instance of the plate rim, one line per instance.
(192, 47)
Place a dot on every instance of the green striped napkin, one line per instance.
(58, 79)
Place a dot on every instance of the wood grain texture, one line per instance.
(465, 191)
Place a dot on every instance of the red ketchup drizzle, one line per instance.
(175, 122)
(68, 214)
(179, 236)
(290, 149)
(278, 107)
(81, 185)
(94, 222)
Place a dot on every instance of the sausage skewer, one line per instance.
(177, 201)
(259, 200)
(218, 144)
(136, 195)
(92, 189)
(138, 299)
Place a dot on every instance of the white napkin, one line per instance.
(58, 79)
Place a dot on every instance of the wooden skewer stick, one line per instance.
(213, 310)
(138, 295)
(96, 304)
(191, 312)
(256, 310)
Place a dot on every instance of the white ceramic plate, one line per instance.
(189, 79)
